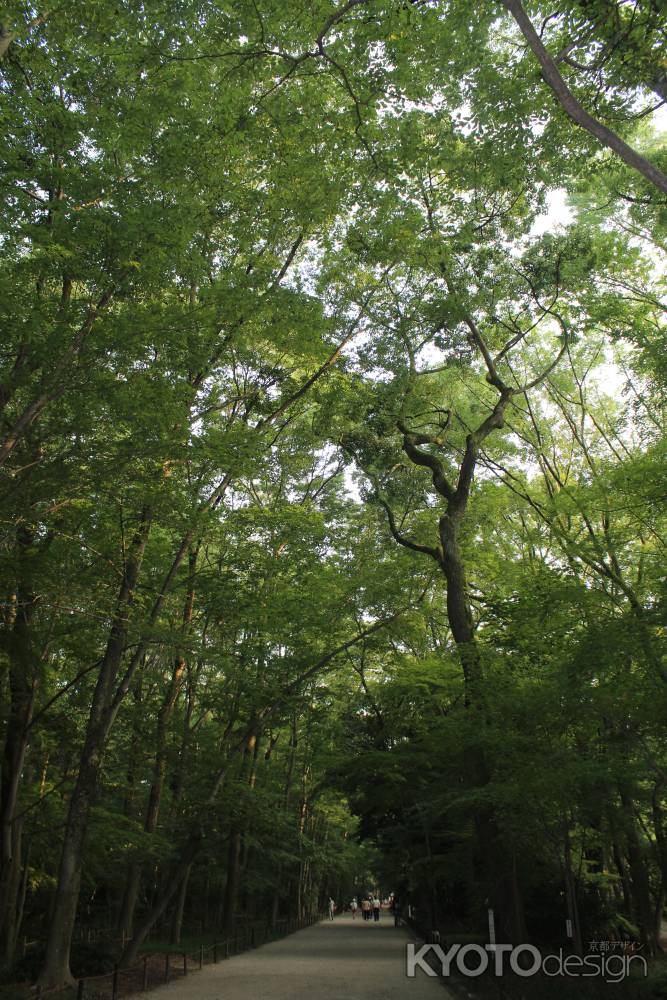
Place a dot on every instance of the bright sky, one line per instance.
(558, 212)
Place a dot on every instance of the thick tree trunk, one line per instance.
(14, 895)
(459, 612)
(20, 905)
(495, 874)
(622, 870)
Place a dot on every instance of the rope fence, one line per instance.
(157, 968)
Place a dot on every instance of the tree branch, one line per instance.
(427, 461)
(401, 539)
(574, 109)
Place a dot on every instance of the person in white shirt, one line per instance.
(376, 909)
(332, 907)
(353, 907)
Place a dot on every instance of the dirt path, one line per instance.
(343, 959)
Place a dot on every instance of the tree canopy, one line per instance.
(332, 485)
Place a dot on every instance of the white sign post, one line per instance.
(492, 927)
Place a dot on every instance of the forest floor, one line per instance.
(343, 959)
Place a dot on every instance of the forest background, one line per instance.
(332, 467)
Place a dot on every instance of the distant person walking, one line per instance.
(353, 907)
(366, 909)
(332, 908)
(376, 909)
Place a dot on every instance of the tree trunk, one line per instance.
(571, 893)
(573, 108)
(249, 773)
(232, 884)
(639, 881)
(56, 970)
(22, 688)
(495, 875)
(131, 888)
(622, 870)
(177, 918)
(165, 714)
(129, 901)
(186, 856)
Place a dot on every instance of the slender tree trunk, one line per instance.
(177, 918)
(22, 688)
(303, 864)
(659, 830)
(160, 764)
(133, 881)
(180, 869)
(131, 888)
(20, 906)
(56, 970)
(571, 893)
(275, 903)
(165, 713)
(249, 772)
(232, 884)
(639, 881)
(622, 870)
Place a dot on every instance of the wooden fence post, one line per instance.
(79, 990)
(114, 984)
(201, 956)
(185, 963)
(144, 978)
(166, 967)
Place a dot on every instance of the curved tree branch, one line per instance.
(401, 539)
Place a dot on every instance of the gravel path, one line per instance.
(343, 959)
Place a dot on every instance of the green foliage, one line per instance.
(250, 255)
